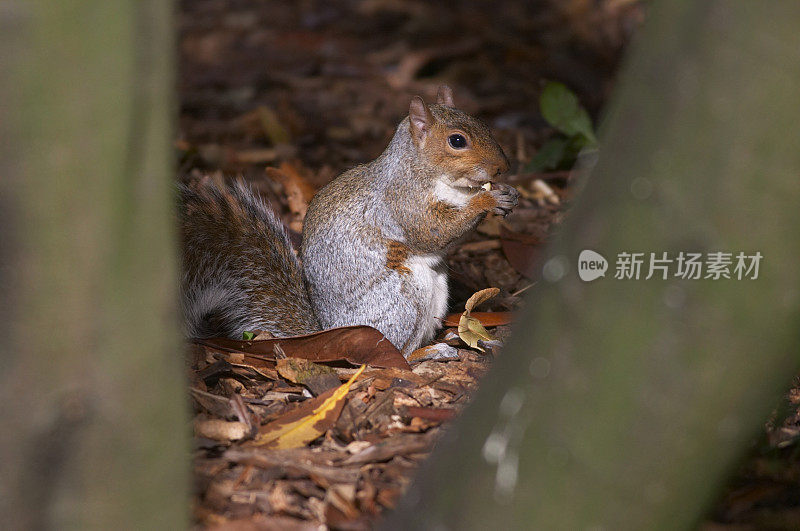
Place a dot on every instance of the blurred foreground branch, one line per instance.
(91, 386)
(621, 404)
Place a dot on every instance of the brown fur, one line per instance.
(441, 223)
(431, 225)
(396, 255)
(481, 149)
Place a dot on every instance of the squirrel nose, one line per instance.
(502, 166)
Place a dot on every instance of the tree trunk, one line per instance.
(622, 404)
(91, 383)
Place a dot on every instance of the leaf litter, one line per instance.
(288, 96)
(327, 97)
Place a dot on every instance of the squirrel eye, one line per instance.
(457, 141)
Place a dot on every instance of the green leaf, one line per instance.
(561, 108)
(549, 156)
(247, 336)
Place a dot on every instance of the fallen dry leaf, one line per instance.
(400, 444)
(359, 345)
(480, 297)
(318, 378)
(298, 190)
(407, 378)
(437, 351)
(521, 250)
(488, 319)
(438, 414)
(221, 430)
(470, 329)
(305, 423)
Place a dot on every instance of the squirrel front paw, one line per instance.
(506, 198)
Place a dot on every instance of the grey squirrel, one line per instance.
(373, 241)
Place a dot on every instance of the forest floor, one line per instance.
(313, 88)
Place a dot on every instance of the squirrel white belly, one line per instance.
(373, 245)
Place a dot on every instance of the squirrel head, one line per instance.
(456, 144)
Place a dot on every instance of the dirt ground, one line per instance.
(311, 88)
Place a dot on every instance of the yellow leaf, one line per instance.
(304, 424)
(477, 328)
(470, 329)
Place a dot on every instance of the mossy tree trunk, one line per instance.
(91, 383)
(623, 404)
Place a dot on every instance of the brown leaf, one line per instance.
(480, 297)
(521, 256)
(438, 351)
(436, 414)
(521, 250)
(318, 378)
(487, 319)
(400, 444)
(214, 404)
(297, 188)
(356, 344)
(395, 376)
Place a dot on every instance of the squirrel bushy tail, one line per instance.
(239, 270)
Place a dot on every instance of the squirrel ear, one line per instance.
(420, 118)
(445, 96)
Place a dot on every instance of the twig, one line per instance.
(523, 289)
